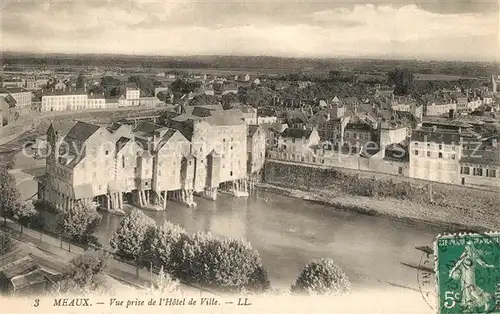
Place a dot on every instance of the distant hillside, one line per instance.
(469, 69)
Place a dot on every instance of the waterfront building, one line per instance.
(256, 148)
(435, 154)
(357, 135)
(480, 164)
(150, 163)
(273, 130)
(392, 133)
(298, 141)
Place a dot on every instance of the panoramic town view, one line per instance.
(211, 172)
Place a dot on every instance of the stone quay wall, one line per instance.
(307, 177)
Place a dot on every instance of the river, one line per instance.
(288, 233)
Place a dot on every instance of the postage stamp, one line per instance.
(467, 272)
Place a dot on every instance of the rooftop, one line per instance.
(296, 133)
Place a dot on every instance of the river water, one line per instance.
(288, 233)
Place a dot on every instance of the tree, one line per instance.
(85, 273)
(203, 100)
(182, 86)
(110, 85)
(322, 276)
(9, 194)
(229, 100)
(129, 236)
(228, 264)
(146, 86)
(158, 244)
(24, 213)
(79, 221)
(403, 80)
(5, 242)
(80, 81)
(164, 96)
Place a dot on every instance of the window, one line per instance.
(478, 172)
(231, 147)
(190, 162)
(428, 145)
(230, 173)
(453, 156)
(400, 170)
(107, 152)
(428, 154)
(416, 152)
(224, 140)
(146, 184)
(123, 161)
(440, 146)
(440, 155)
(492, 173)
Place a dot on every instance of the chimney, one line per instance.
(451, 114)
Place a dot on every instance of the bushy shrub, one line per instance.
(5, 243)
(322, 277)
(158, 243)
(85, 273)
(129, 236)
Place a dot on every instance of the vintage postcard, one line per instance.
(250, 156)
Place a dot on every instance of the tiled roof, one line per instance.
(62, 126)
(122, 141)
(16, 262)
(226, 117)
(358, 127)
(484, 155)
(147, 127)
(81, 131)
(252, 129)
(247, 109)
(8, 90)
(64, 93)
(296, 133)
(436, 136)
(9, 100)
(31, 278)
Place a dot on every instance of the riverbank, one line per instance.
(449, 219)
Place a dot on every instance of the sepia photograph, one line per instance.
(250, 156)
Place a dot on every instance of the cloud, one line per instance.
(317, 29)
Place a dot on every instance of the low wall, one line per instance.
(364, 183)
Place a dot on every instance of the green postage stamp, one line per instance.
(468, 273)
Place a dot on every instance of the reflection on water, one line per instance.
(289, 233)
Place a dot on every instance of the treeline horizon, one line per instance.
(279, 64)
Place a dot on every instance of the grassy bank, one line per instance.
(449, 219)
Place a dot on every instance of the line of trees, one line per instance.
(226, 264)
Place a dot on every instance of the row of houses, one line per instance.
(68, 100)
(148, 163)
(463, 153)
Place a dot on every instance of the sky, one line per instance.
(416, 29)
